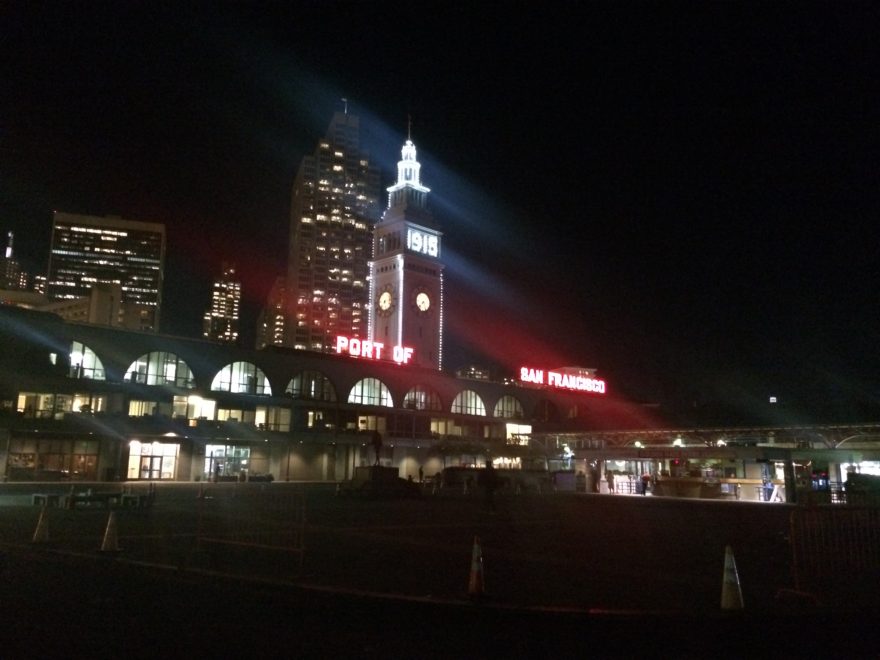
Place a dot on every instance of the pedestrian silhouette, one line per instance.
(489, 482)
(377, 445)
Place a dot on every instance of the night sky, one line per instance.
(681, 195)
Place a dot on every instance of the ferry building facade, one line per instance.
(82, 401)
(87, 402)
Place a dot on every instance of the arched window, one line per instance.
(160, 368)
(84, 363)
(241, 378)
(508, 407)
(370, 392)
(468, 402)
(312, 385)
(422, 397)
(546, 411)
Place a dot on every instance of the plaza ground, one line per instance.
(563, 574)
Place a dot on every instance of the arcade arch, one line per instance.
(508, 407)
(371, 392)
(242, 378)
(84, 362)
(160, 368)
(311, 385)
(468, 402)
(422, 397)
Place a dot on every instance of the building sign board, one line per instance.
(372, 350)
(562, 381)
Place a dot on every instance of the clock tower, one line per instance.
(406, 275)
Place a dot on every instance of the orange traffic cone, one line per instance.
(731, 593)
(41, 534)
(111, 542)
(476, 583)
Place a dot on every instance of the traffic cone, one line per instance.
(731, 593)
(111, 542)
(41, 534)
(476, 583)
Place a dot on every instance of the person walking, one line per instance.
(609, 477)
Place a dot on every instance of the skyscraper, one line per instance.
(221, 320)
(87, 251)
(334, 207)
(11, 275)
(272, 320)
(406, 274)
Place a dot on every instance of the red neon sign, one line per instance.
(372, 350)
(562, 381)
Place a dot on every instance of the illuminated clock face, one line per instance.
(385, 301)
(423, 301)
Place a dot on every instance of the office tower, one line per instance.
(334, 206)
(271, 321)
(39, 284)
(11, 275)
(102, 306)
(87, 251)
(221, 320)
(406, 274)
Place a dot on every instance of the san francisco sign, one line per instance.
(561, 380)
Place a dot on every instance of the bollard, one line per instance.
(476, 581)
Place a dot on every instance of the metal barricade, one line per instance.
(836, 553)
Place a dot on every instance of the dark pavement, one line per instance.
(565, 575)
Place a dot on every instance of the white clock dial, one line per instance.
(385, 301)
(423, 301)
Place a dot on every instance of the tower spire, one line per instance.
(408, 189)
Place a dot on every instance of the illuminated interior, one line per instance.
(153, 460)
(160, 368)
(242, 378)
(372, 392)
(84, 363)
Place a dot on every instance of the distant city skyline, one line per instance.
(682, 200)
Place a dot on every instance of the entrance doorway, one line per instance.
(152, 461)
